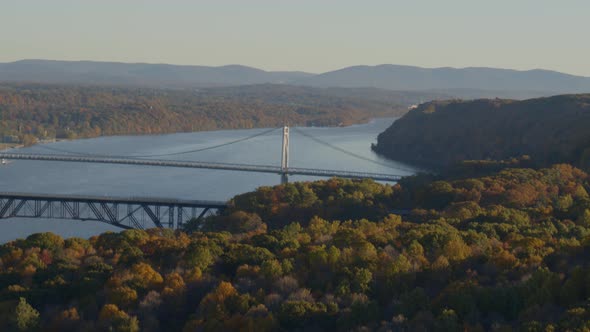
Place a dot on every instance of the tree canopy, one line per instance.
(441, 133)
(29, 112)
(504, 251)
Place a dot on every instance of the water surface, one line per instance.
(145, 181)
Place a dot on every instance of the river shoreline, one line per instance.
(57, 140)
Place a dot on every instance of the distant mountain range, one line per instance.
(464, 82)
(141, 74)
(394, 77)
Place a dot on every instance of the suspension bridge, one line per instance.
(160, 212)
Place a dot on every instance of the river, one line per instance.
(124, 180)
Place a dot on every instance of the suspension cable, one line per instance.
(352, 154)
(62, 150)
(211, 147)
(315, 139)
(165, 154)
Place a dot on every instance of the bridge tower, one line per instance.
(285, 156)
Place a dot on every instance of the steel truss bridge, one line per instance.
(133, 212)
(127, 212)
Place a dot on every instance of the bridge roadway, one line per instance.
(206, 165)
(124, 212)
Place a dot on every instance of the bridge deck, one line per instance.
(114, 199)
(198, 164)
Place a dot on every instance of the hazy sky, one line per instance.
(309, 35)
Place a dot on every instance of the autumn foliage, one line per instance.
(33, 111)
(504, 251)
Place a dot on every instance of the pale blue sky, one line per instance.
(309, 35)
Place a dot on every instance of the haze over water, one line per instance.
(125, 180)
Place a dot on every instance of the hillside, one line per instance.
(504, 252)
(437, 134)
(32, 111)
(458, 82)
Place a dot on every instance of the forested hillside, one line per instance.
(505, 251)
(440, 133)
(49, 111)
